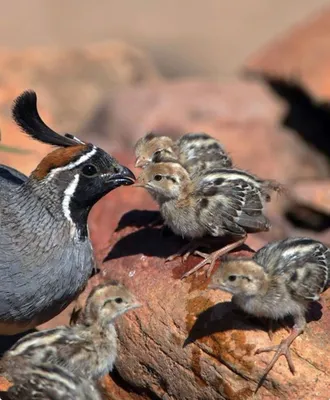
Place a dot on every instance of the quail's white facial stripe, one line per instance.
(74, 164)
(68, 193)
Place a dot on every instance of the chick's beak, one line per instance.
(213, 286)
(140, 181)
(123, 176)
(136, 305)
(140, 162)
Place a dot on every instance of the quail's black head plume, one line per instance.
(26, 115)
(280, 280)
(46, 256)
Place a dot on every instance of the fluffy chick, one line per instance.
(88, 348)
(195, 151)
(50, 382)
(216, 203)
(281, 279)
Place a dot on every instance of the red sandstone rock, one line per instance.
(315, 194)
(301, 54)
(244, 115)
(188, 342)
(219, 362)
(176, 107)
(69, 84)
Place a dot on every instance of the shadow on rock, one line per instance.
(222, 317)
(6, 342)
(139, 219)
(226, 316)
(307, 116)
(148, 241)
(151, 241)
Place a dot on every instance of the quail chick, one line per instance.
(46, 256)
(88, 348)
(281, 279)
(50, 382)
(195, 151)
(216, 203)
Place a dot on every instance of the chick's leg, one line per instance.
(212, 258)
(283, 349)
(185, 251)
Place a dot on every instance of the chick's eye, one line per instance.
(232, 278)
(89, 170)
(158, 178)
(118, 300)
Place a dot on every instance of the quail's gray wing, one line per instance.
(29, 288)
(303, 262)
(230, 203)
(10, 176)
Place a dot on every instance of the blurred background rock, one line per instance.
(254, 74)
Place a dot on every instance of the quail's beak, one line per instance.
(124, 176)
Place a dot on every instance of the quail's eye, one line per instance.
(157, 153)
(232, 278)
(118, 300)
(89, 170)
(158, 178)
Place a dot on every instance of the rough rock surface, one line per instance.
(314, 193)
(69, 86)
(244, 115)
(188, 342)
(301, 54)
(73, 81)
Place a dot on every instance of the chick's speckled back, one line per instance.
(200, 151)
(304, 263)
(51, 382)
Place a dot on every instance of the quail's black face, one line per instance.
(74, 176)
(95, 175)
(80, 176)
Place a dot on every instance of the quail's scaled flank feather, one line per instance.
(280, 280)
(195, 151)
(216, 203)
(88, 348)
(50, 382)
(46, 256)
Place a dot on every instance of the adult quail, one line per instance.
(46, 255)
(216, 203)
(281, 279)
